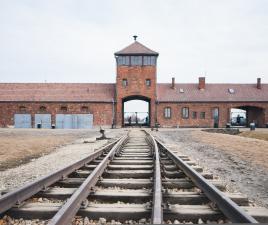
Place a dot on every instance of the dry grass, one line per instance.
(250, 149)
(261, 135)
(21, 146)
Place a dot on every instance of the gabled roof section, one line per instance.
(136, 48)
(212, 93)
(56, 92)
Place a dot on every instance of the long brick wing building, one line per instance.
(83, 105)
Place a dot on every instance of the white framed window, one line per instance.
(185, 112)
(215, 113)
(167, 112)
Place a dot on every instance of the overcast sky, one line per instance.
(74, 41)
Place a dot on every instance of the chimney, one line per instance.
(202, 83)
(173, 83)
(259, 83)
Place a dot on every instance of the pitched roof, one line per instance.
(57, 92)
(100, 92)
(136, 48)
(212, 93)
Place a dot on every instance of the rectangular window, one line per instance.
(215, 113)
(124, 82)
(185, 112)
(123, 60)
(202, 115)
(167, 112)
(194, 115)
(149, 60)
(148, 82)
(136, 60)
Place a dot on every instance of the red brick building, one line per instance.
(71, 105)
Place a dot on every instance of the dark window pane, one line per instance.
(148, 82)
(63, 108)
(202, 115)
(194, 115)
(42, 109)
(84, 109)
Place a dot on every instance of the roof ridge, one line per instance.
(136, 48)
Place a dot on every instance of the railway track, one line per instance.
(135, 179)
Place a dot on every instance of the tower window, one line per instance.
(167, 112)
(149, 60)
(136, 60)
(123, 60)
(124, 82)
(148, 82)
(185, 112)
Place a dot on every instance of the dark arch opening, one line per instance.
(139, 114)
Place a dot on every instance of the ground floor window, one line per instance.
(84, 109)
(194, 115)
(185, 112)
(167, 112)
(202, 115)
(22, 109)
(215, 113)
(63, 108)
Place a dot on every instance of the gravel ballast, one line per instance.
(61, 157)
(240, 174)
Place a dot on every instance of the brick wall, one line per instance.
(259, 115)
(102, 112)
(136, 77)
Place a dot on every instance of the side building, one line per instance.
(85, 105)
(65, 105)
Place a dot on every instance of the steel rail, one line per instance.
(229, 208)
(157, 210)
(67, 212)
(19, 195)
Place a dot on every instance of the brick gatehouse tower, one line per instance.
(136, 79)
(87, 105)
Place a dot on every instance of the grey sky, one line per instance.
(74, 41)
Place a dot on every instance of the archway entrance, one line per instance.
(238, 117)
(244, 115)
(136, 111)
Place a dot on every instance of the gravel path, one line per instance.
(239, 174)
(61, 157)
